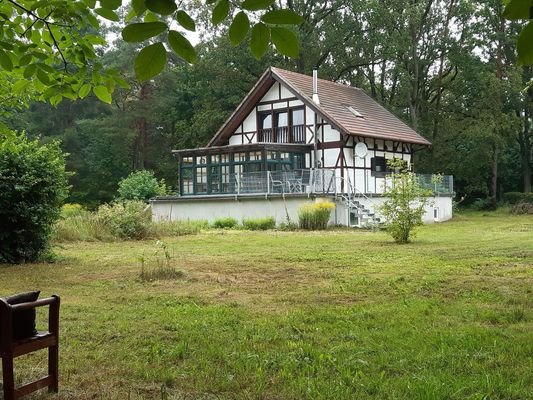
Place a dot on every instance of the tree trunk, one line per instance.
(494, 180)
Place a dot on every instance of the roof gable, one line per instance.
(348, 109)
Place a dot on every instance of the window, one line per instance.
(282, 126)
(187, 178)
(378, 166)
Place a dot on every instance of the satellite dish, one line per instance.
(361, 150)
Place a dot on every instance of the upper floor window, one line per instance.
(282, 126)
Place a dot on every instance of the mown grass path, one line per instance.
(281, 315)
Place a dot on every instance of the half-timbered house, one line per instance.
(294, 139)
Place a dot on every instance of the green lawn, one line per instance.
(280, 315)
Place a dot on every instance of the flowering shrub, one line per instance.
(314, 216)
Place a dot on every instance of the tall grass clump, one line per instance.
(259, 224)
(315, 216)
(126, 220)
(160, 265)
(178, 228)
(81, 226)
(225, 223)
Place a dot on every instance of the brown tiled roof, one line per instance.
(376, 121)
(335, 98)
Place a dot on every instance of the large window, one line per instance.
(219, 174)
(282, 126)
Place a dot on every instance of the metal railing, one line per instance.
(281, 182)
(283, 134)
(436, 183)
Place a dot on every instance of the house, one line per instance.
(295, 139)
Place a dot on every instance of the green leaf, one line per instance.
(518, 9)
(161, 7)
(84, 90)
(525, 45)
(111, 4)
(102, 93)
(285, 41)
(239, 28)
(107, 14)
(186, 21)
(181, 46)
(5, 61)
(20, 85)
(260, 40)
(30, 71)
(255, 5)
(138, 6)
(25, 59)
(55, 100)
(150, 61)
(142, 31)
(220, 12)
(282, 17)
(43, 77)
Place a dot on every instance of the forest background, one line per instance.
(446, 67)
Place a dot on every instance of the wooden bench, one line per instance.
(10, 348)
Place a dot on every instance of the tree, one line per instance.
(33, 184)
(140, 185)
(405, 202)
(52, 47)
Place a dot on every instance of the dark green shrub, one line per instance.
(485, 204)
(513, 197)
(126, 220)
(315, 216)
(259, 224)
(141, 185)
(225, 223)
(528, 198)
(33, 184)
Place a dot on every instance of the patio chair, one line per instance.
(18, 337)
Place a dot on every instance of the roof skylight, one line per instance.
(355, 112)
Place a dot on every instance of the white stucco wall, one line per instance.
(277, 207)
(241, 208)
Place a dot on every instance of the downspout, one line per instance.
(316, 100)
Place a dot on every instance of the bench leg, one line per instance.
(8, 378)
(53, 368)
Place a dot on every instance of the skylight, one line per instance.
(355, 112)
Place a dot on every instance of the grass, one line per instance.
(297, 315)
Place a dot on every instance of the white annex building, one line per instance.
(297, 139)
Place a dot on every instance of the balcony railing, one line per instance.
(283, 134)
(318, 181)
(436, 183)
(280, 182)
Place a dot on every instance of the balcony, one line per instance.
(282, 134)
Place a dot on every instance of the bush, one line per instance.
(126, 220)
(33, 184)
(405, 202)
(141, 185)
(513, 197)
(315, 216)
(522, 208)
(69, 210)
(485, 204)
(225, 223)
(259, 224)
(518, 197)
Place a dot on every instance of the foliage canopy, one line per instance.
(53, 47)
(33, 184)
